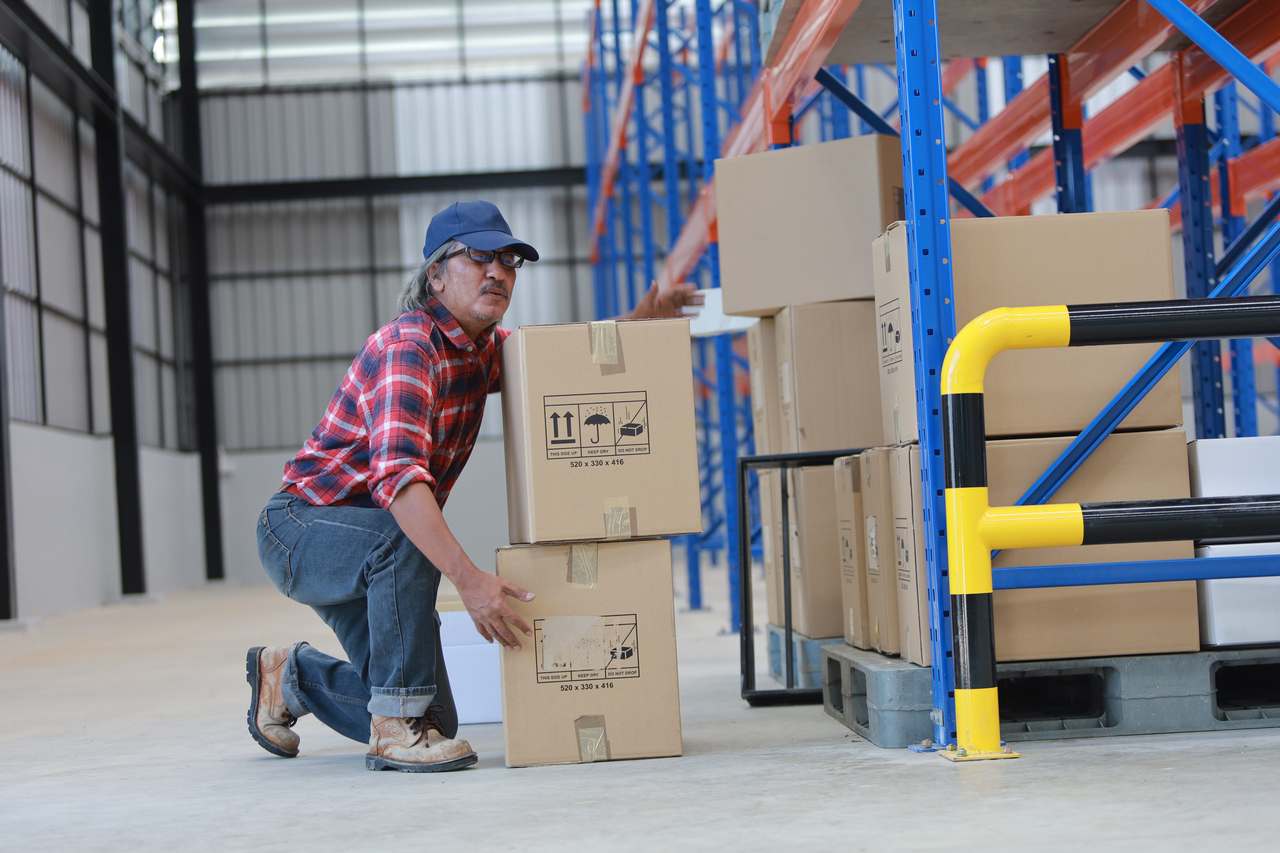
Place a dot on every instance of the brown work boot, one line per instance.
(270, 722)
(414, 745)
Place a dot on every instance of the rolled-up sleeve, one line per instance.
(398, 407)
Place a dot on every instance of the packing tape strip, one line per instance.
(593, 741)
(617, 518)
(604, 342)
(584, 564)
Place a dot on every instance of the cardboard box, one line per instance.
(828, 386)
(850, 534)
(598, 422)
(598, 680)
(816, 610)
(762, 357)
(1035, 260)
(882, 589)
(908, 551)
(771, 542)
(1091, 621)
(774, 205)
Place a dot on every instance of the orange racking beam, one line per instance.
(817, 26)
(1254, 173)
(1132, 117)
(618, 132)
(1254, 29)
(1123, 38)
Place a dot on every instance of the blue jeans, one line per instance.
(377, 592)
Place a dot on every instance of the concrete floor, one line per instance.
(123, 727)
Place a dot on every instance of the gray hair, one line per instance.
(416, 291)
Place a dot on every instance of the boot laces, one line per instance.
(432, 718)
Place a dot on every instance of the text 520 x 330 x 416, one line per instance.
(595, 463)
(587, 685)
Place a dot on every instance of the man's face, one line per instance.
(476, 294)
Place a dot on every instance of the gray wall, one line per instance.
(66, 546)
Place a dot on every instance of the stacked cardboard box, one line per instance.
(1036, 401)
(598, 421)
(813, 354)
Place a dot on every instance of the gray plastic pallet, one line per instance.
(888, 701)
(806, 653)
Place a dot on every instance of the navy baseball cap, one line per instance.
(477, 224)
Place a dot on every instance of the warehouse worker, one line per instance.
(356, 530)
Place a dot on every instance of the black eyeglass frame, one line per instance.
(480, 256)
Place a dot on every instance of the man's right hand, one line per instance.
(484, 596)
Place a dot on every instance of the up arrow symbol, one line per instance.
(555, 425)
(568, 424)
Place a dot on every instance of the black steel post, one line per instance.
(8, 565)
(115, 278)
(198, 292)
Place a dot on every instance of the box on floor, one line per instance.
(850, 533)
(883, 634)
(781, 212)
(828, 381)
(1082, 621)
(1237, 611)
(598, 681)
(1026, 261)
(598, 423)
(816, 610)
(771, 543)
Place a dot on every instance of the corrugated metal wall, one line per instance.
(298, 286)
(422, 129)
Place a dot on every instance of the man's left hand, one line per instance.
(671, 302)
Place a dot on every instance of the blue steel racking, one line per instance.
(677, 86)
(1056, 103)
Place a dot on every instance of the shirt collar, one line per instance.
(448, 324)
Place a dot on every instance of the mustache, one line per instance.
(496, 288)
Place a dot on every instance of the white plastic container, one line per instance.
(1238, 611)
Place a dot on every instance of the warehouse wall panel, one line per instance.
(57, 572)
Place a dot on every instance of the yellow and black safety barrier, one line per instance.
(975, 529)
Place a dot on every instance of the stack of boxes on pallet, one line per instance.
(601, 460)
(813, 207)
(796, 228)
(1037, 401)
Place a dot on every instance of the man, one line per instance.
(356, 530)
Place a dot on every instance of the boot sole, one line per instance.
(376, 762)
(252, 675)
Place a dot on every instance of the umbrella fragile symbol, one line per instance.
(595, 421)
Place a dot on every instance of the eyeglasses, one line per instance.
(507, 259)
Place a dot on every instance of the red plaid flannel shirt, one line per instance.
(407, 411)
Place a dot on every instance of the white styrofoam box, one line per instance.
(474, 674)
(1240, 611)
(1222, 467)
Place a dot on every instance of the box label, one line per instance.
(592, 425)
(848, 565)
(890, 334)
(575, 649)
(903, 545)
